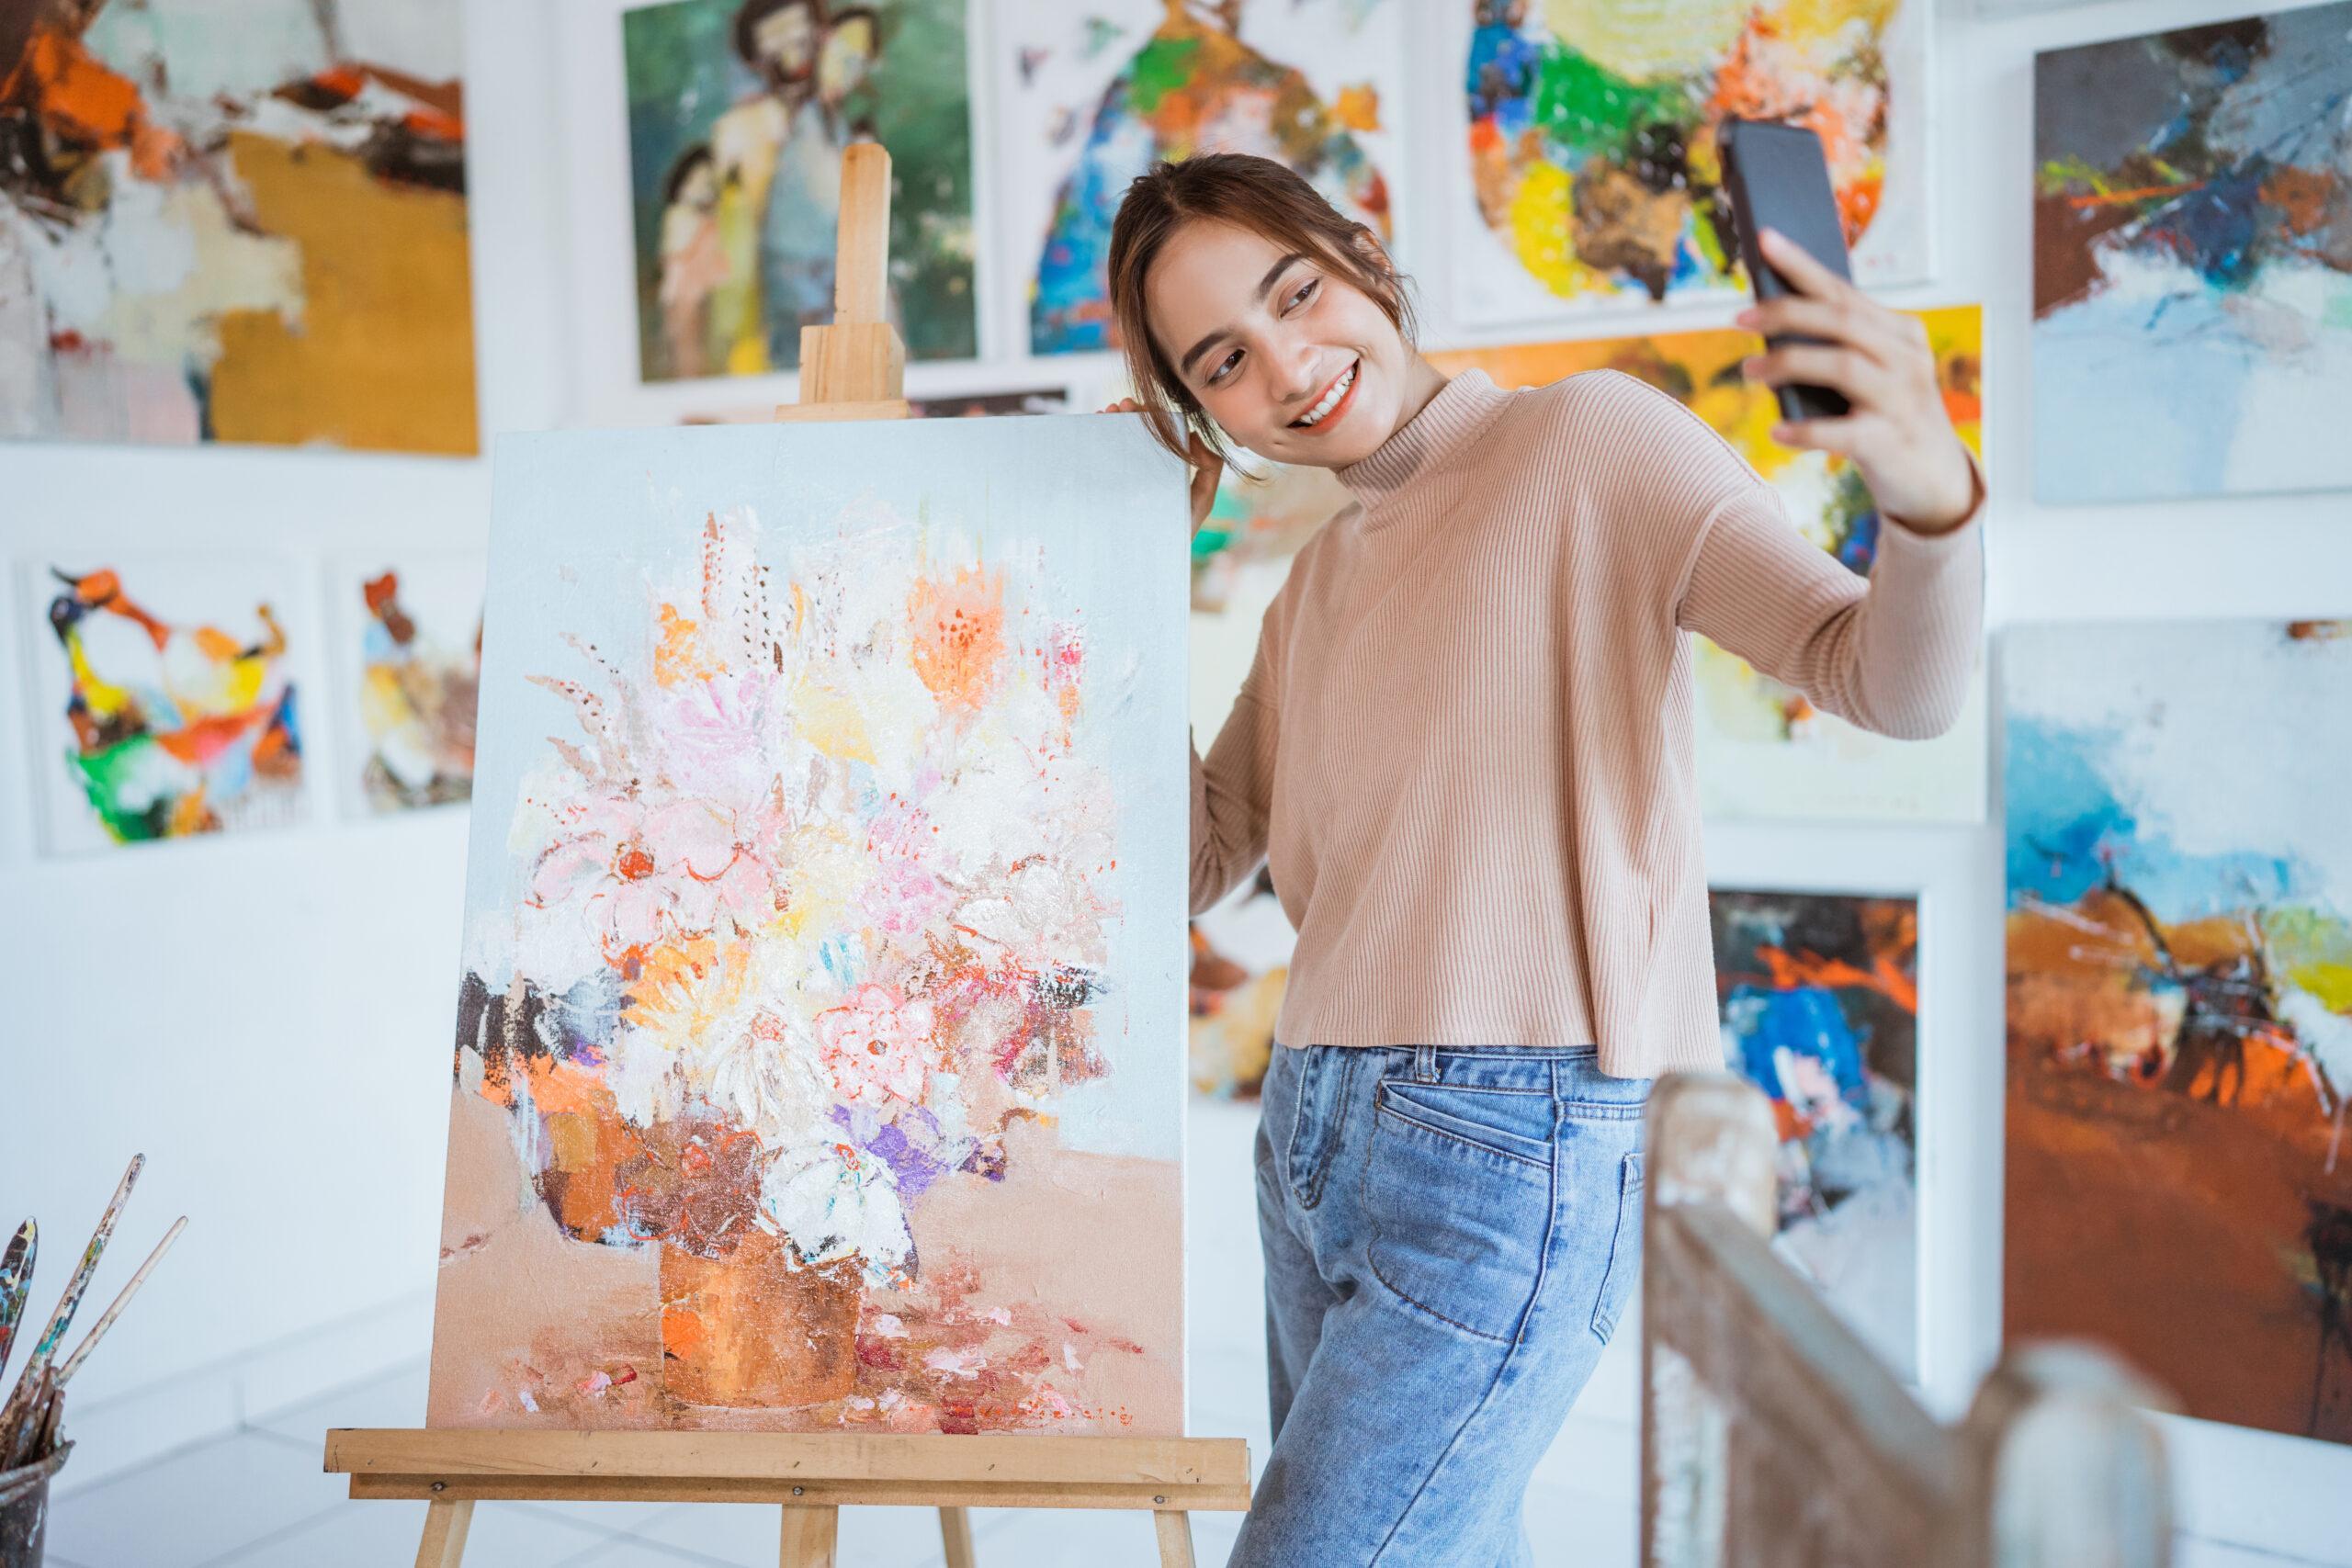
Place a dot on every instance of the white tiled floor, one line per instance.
(258, 1497)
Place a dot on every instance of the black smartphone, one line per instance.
(1777, 178)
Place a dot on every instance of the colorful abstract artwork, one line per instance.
(163, 700)
(2192, 261)
(1591, 174)
(2181, 1008)
(1820, 1003)
(236, 221)
(414, 638)
(818, 1056)
(1094, 92)
(1763, 750)
(738, 111)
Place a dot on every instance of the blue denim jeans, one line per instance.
(1450, 1236)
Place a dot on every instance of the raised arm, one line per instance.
(1893, 654)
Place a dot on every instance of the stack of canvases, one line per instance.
(2178, 999)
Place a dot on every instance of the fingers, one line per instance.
(1207, 470)
(1207, 467)
(1896, 340)
(1805, 273)
(1864, 381)
(1842, 436)
(1885, 335)
(1125, 405)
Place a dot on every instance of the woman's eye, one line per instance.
(1306, 292)
(1224, 366)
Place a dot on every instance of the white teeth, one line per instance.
(1331, 399)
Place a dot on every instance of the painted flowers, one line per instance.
(810, 909)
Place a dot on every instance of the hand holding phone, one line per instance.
(1853, 377)
(1777, 177)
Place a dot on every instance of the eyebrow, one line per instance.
(1265, 287)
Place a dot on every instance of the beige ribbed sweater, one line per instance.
(1464, 745)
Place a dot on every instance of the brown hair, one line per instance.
(1251, 193)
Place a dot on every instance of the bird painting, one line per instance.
(175, 729)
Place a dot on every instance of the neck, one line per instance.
(1422, 382)
(1439, 415)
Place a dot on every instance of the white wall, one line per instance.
(267, 1017)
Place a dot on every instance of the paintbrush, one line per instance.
(72, 1299)
(114, 1309)
(15, 1284)
(26, 1419)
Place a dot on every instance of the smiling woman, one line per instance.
(1324, 339)
(1464, 751)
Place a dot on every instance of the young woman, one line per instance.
(1466, 746)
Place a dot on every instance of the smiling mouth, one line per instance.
(1333, 396)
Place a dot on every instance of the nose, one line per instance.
(1300, 381)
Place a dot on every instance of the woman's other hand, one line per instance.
(1207, 467)
(1896, 430)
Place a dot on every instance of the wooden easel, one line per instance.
(854, 368)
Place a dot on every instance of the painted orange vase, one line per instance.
(756, 1329)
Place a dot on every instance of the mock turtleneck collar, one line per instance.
(1463, 408)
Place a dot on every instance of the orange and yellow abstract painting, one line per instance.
(819, 1059)
(2181, 1008)
(236, 221)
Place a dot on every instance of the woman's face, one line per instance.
(1291, 360)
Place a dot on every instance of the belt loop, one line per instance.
(1425, 1063)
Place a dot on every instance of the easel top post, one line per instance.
(862, 248)
(855, 368)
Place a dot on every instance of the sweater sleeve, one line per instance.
(1892, 652)
(1233, 791)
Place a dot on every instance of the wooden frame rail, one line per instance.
(1772, 1437)
(811, 1477)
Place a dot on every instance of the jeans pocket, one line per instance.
(1458, 1223)
(1624, 1249)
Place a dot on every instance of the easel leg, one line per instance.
(810, 1536)
(956, 1532)
(1175, 1529)
(446, 1523)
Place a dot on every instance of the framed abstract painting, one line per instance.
(2192, 261)
(1091, 93)
(2180, 1007)
(1820, 999)
(820, 1049)
(235, 221)
(408, 634)
(1587, 175)
(163, 698)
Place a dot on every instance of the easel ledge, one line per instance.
(806, 1469)
(812, 1476)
